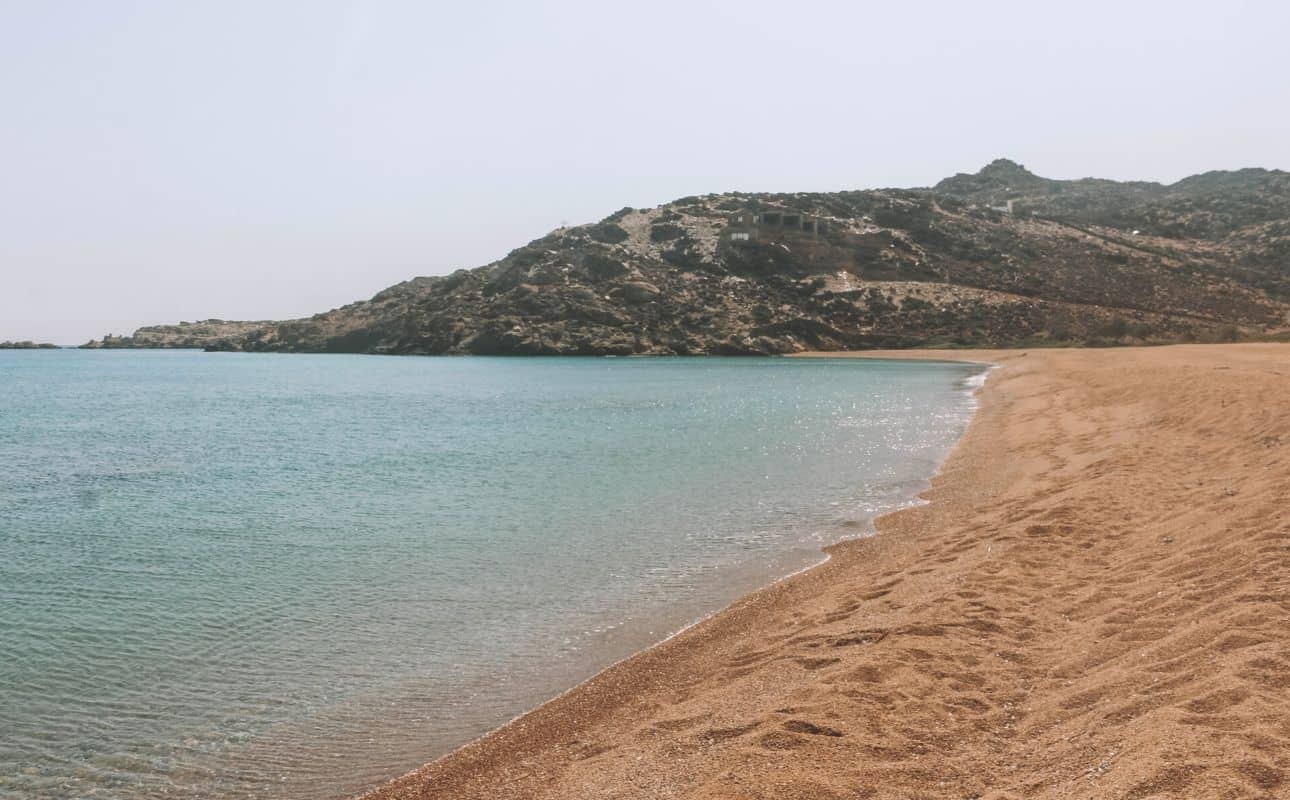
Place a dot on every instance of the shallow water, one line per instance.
(229, 575)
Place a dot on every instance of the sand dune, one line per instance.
(1096, 603)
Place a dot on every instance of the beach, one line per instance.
(1092, 603)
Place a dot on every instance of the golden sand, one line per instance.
(1096, 603)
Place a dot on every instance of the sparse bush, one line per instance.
(1115, 329)
(603, 268)
(1140, 330)
(1227, 333)
(665, 232)
(607, 233)
(1059, 330)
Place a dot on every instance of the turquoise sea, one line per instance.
(237, 576)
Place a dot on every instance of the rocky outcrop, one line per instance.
(998, 258)
(27, 344)
(190, 335)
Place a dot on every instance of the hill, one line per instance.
(1001, 257)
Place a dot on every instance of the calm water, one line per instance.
(295, 576)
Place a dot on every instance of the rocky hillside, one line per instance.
(1001, 257)
(184, 335)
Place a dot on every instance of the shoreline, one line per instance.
(773, 685)
(915, 500)
(968, 387)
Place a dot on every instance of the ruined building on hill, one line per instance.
(753, 224)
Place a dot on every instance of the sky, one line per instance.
(165, 161)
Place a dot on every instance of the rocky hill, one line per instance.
(194, 335)
(1001, 257)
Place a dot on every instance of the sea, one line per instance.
(298, 576)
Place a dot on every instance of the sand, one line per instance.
(1095, 603)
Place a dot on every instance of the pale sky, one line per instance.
(166, 161)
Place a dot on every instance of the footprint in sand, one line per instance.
(810, 728)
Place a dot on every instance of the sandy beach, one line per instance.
(1094, 603)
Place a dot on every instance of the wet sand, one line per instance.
(1095, 603)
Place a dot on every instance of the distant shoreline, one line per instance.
(28, 345)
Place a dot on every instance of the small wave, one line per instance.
(976, 380)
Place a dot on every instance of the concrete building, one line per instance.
(751, 224)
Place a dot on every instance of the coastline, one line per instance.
(920, 660)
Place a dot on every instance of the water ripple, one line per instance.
(282, 577)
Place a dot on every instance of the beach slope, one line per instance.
(1095, 603)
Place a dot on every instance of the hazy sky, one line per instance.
(162, 161)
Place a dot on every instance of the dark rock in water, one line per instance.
(1001, 257)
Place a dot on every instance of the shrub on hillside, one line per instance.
(607, 233)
